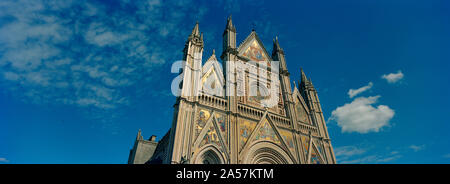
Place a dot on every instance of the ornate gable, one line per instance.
(212, 132)
(301, 108)
(266, 131)
(212, 77)
(253, 50)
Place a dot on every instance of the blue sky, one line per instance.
(79, 78)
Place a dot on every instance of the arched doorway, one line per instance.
(209, 155)
(266, 152)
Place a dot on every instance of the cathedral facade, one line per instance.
(242, 110)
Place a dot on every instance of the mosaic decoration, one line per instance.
(255, 53)
(315, 158)
(301, 113)
(206, 78)
(287, 136)
(319, 146)
(245, 129)
(257, 95)
(305, 143)
(211, 137)
(222, 124)
(202, 118)
(267, 133)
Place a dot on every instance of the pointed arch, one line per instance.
(209, 154)
(264, 152)
(212, 79)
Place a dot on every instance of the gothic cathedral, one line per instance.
(223, 114)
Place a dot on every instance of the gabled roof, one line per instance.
(248, 41)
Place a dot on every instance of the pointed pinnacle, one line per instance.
(229, 23)
(276, 43)
(214, 52)
(195, 31)
(138, 137)
(304, 79)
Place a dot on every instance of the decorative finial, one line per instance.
(214, 52)
(229, 23)
(303, 77)
(139, 136)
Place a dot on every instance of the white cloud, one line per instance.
(393, 77)
(4, 160)
(417, 148)
(353, 92)
(360, 116)
(348, 151)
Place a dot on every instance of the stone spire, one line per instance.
(196, 36)
(195, 30)
(139, 135)
(229, 40)
(310, 82)
(276, 45)
(278, 55)
(230, 25)
(304, 79)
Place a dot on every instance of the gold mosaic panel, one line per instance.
(305, 144)
(246, 127)
(211, 137)
(202, 118)
(319, 146)
(255, 53)
(222, 124)
(315, 158)
(287, 136)
(301, 113)
(267, 133)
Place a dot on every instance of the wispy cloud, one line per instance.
(417, 148)
(353, 92)
(393, 77)
(358, 155)
(361, 116)
(4, 160)
(88, 53)
(348, 151)
(372, 159)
